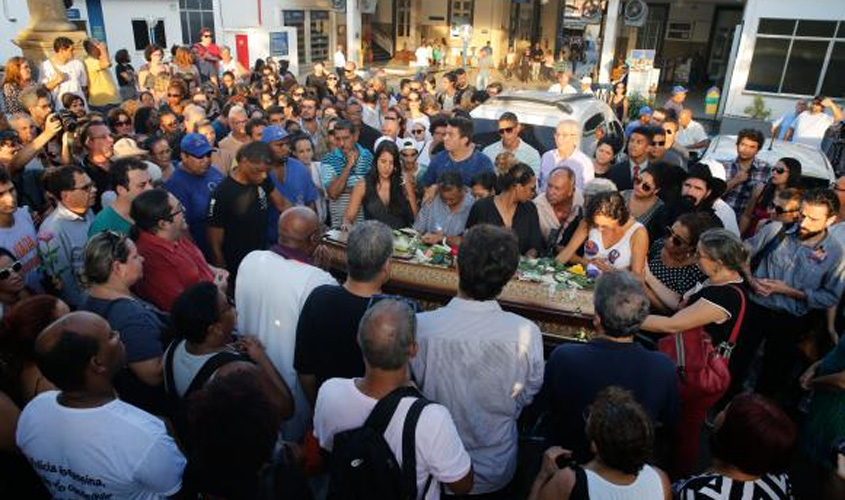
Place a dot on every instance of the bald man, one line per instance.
(560, 207)
(81, 438)
(271, 288)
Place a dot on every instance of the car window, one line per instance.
(593, 123)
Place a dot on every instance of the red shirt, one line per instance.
(169, 268)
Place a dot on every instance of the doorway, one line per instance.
(721, 40)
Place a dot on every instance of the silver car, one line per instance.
(816, 170)
(539, 114)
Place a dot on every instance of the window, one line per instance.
(195, 14)
(803, 57)
(319, 35)
(592, 124)
(403, 18)
(460, 13)
(144, 34)
(296, 19)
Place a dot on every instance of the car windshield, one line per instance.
(537, 136)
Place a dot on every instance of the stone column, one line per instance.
(608, 45)
(47, 21)
(353, 33)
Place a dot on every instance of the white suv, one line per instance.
(539, 114)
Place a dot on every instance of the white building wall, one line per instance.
(737, 97)
(119, 14)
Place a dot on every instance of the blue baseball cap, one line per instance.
(645, 110)
(679, 89)
(196, 145)
(273, 133)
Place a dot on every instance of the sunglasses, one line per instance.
(506, 130)
(643, 185)
(379, 297)
(410, 155)
(14, 268)
(84, 187)
(333, 79)
(174, 95)
(122, 123)
(299, 94)
(780, 210)
(779, 170)
(390, 118)
(417, 131)
(676, 240)
(658, 143)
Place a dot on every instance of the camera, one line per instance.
(67, 119)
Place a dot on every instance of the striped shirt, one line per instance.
(332, 166)
(718, 487)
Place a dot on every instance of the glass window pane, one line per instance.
(207, 21)
(140, 34)
(805, 65)
(776, 26)
(206, 5)
(196, 22)
(832, 85)
(841, 32)
(181, 4)
(193, 4)
(160, 36)
(185, 27)
(816, 28)
(767, 64)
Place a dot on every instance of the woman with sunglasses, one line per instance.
(785, 174)
(112, 266)
(672, 267)
(611, 237)
(120, 123)
(382, 193)
(332, 84)
(645, 205)
(415, 115)
(12, 285)
(717, 306)
(512, 208)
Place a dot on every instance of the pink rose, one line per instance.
(45, 236)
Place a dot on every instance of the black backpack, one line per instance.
(362, 465)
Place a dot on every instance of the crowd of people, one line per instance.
(162, 257)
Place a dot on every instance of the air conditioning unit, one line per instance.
(591, 12)
(636, 13)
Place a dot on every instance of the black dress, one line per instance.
(526, 222)
(396, 215)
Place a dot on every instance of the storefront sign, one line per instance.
(74, 15)
(279, 44)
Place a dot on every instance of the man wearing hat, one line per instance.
(193, 182)
(587, 85)
(409, 154)
(676, 102)
(643, 121)
(290, 177)
(701, 192)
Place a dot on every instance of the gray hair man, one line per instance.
(387, 338)
(325, 334)
(567, 153)
(575, 374)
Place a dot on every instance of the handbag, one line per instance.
(703, 372)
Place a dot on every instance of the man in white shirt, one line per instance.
(421, 55)
(387, 338)
(810, 126)
(81, 440)
(562, 86)
(567, 153)
(691, 134)
(62, 73)
(270, 290)
(509, 129)
(484, 364)
(339, 61)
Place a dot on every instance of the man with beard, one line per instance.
(746, 171)
(794, 271)
(701, 192)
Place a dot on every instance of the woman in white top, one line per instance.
(621, 437)
(229, 63)
(303, 149)
(612, 239)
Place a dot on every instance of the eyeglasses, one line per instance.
(779, 170)
(174, 95)
(658, 143)
(389, 117)
(676, 240)
(506, 130)
(180, 209)
(14, 268)
(381, 296)
(781, 210)
(84, 187)
(299, 94)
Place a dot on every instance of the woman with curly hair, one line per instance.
(18, 77)
(622, 438)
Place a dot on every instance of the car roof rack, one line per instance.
(546, 98)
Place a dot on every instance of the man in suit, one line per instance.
(626, 170)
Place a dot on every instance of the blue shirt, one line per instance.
(297, 188)
(469, 168)
(194, 192)
(631, 126)
(576, 373)
(785, 123)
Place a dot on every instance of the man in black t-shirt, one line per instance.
(239, 208)
(326, 335)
